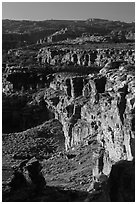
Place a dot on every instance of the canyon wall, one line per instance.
(96, 109)
(99, 110)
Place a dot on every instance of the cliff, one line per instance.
(94, 121)
(99, 110)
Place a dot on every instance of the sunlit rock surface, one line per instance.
(97, 108)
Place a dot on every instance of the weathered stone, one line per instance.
(35, 175)
(28, 175)
(101, 111)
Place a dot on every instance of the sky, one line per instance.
(123, 11)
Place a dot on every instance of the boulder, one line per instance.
(34, 175)
(27, 179)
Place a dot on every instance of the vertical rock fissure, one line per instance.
(122, 102)
(100, 84)
(68, 84)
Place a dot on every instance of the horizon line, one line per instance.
(51, 19)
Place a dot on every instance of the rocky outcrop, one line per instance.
(98, 109)
(28, 173)
(27, 181)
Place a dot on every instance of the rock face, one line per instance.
(100, 109)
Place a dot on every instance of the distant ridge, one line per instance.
(16, 33)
